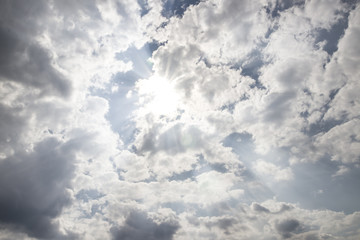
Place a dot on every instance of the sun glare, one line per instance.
(160, 96)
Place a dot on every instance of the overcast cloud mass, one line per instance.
(179, 119)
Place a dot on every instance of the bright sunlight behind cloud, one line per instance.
(158, 96)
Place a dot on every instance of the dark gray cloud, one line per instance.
(24, 16)
(223, 223)
(33, 189)
(138, 226)
(261, 209)
(279, 106)
(11, 127)
(22, 59)
(25, 62)
(287, 227)
(258, 208)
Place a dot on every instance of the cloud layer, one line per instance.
(179, 119)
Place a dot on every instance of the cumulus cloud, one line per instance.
(270, 169)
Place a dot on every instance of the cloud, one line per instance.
(258, 208)
(187, 120)
(35, 189)
(178, 138)
(30, 65)
(286, 227)
(270, 169)
(246, 222)
(335, 140)
(342, 170)
(139, 226)
(135, 167)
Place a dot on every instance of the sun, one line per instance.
(159, 96)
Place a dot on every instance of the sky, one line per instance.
(179, 119)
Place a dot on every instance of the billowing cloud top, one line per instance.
(189, 119)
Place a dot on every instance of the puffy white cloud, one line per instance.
(270, 169)
(341, 142)
(135, 167)
(346, 102)
(331, 12)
